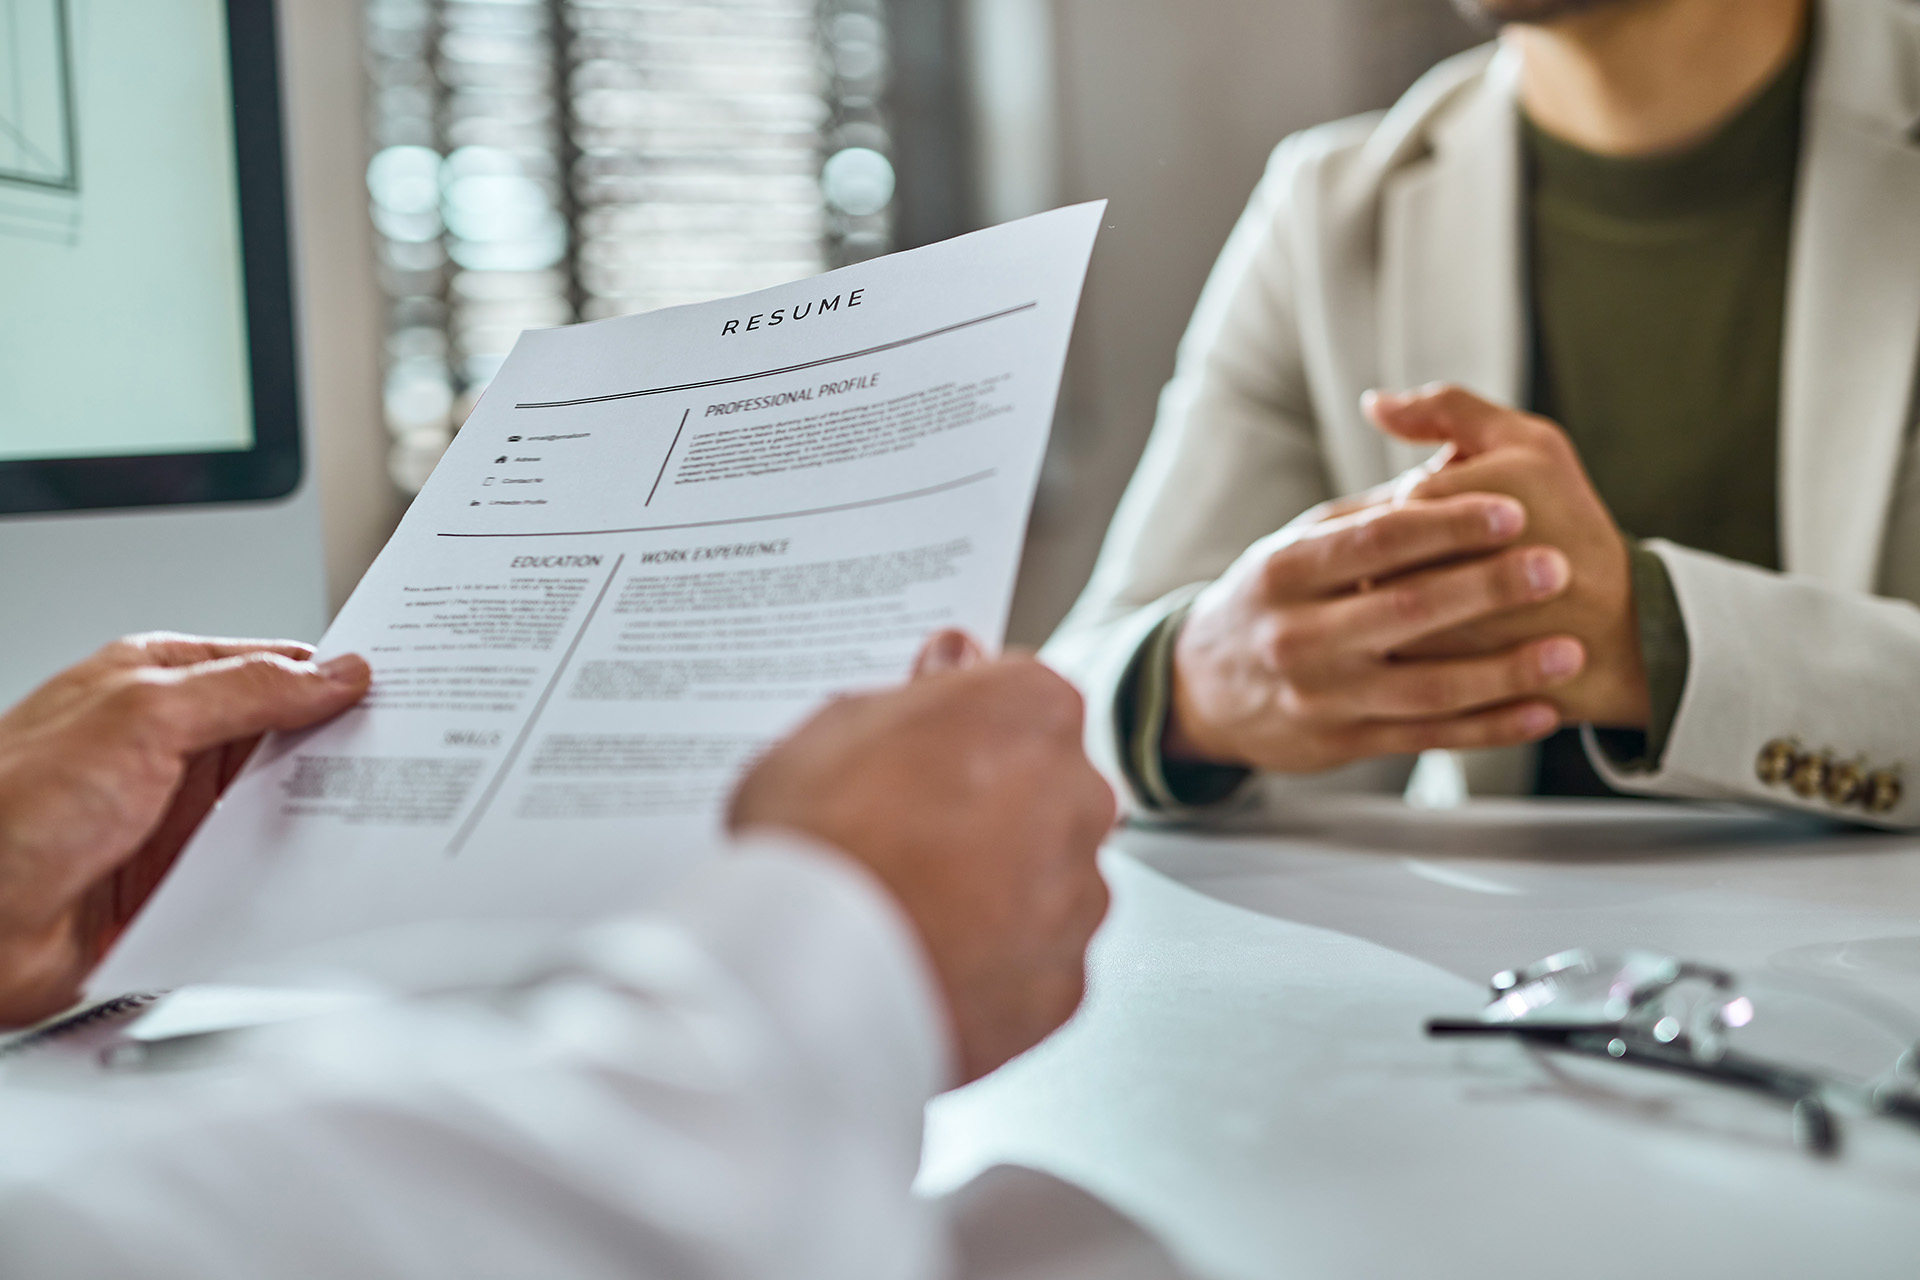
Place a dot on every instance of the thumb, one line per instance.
(947, 651)
(211, 703)
(1443, 415)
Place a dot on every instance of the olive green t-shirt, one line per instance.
(1658, 289)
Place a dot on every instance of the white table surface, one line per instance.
(1251, 1081)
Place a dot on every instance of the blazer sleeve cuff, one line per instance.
(1103, 670)
(1145, 700)
(1795, 696)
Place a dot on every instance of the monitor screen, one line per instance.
(145, 334)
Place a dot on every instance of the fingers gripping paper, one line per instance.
(658, 544)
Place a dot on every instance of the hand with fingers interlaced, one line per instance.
(1491, 449)
(1297, 659)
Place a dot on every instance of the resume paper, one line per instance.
(656, 546)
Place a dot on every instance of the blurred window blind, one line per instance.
(537, 162)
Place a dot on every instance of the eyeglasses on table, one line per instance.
(1821, 1049)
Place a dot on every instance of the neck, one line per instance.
(1639, 77)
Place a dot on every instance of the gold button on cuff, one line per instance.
(1883, 792)
(1777, 761)
(1809, 776)
(1846, 783)
(1818, 776)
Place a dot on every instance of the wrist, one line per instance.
(39, 977)
(1177, 744)
(1614, 693)
(1623, 701)
(1187, 737)
(1626, 705)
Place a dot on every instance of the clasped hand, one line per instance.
(1482, 600)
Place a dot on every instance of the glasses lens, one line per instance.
(1826, 1028)
(1576, 988)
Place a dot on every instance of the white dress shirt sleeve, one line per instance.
(729, 1087)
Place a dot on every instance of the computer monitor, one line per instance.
(150, 429)
(146, 333)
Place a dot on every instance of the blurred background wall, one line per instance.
(464, 168)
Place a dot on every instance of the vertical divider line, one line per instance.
(669, 458)
(467, 828)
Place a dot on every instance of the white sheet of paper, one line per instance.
(658, 543)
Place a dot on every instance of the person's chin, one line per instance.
(1495, 13)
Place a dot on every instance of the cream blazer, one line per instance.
(1388, 251)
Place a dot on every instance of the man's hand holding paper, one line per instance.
(968, 795)
(106, 772)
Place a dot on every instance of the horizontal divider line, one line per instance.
(774, 373)
(928, 492)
